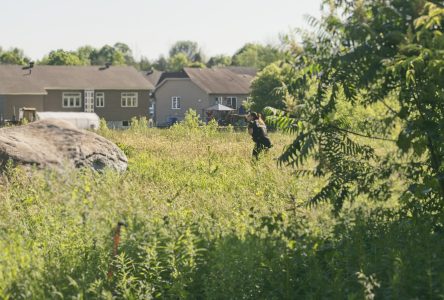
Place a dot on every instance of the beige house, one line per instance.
(198, 89)
(115, 93)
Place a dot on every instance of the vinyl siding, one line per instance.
(112, 111)
(9, 102)
(191, 97)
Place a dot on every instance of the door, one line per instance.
(89, 101)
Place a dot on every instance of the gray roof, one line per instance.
(220, 80)
(243, 70)
(152, 76)
(15, 80)
(166, 75)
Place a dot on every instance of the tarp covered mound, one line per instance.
(59, 144)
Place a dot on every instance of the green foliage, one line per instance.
(145, 64)
(384, 55)
(103, 126)
(212, 124)
(189, 48)
(14, 56)
(107, 54)
(203, 222)
(181, 54)
(160, 64)
(269, 86)
(87, 55)
(256, 55)
(219, 61)
(191, 120)
(126, 52)
(192, 125)
(197, 65)
(178, 62)
(62, 58)
(139, 124)
(247, 104)
(84, 53)
(128, 150)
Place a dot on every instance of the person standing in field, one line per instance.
(258, 131)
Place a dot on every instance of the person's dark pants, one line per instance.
(258, 149)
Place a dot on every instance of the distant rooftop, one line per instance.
(220, 80)
(153, 76)
(165, 75)
(15, 80)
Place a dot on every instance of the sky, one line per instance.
(148, 27)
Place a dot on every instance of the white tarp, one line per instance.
(81, 120)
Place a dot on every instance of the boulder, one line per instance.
(58, 144)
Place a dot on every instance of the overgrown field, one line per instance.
(204, 222)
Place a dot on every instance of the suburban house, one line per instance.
(153, 77)
(199, 89)
(115, 93)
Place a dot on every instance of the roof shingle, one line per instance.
(221, 80)
(15, 80)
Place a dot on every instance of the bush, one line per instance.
(139, 124)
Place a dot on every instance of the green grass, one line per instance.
(204, 222)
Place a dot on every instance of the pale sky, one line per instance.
(148, 27)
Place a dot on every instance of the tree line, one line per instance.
(181, 54)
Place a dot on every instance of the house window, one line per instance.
(231, 102)
(129, 99)
(72, 100)
(175, 102)
(218, 100)
(100, 99)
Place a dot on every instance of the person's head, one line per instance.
(252, 116)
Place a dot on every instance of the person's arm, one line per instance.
(250, 128)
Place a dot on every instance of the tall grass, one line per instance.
(203, 222)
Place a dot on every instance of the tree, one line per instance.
(246, 56)
(127, 53)
(84, 53)
(14, 56)
(219, 61)
(189, 48)
(144, 64)
(107, 54)
(268, 87)
(256, 55)
(160, 64)
(62, 58)
(178, 62)
(368, 52)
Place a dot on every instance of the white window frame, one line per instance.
(230, 98)
(219, 100)
(88, 100)
(100, 99)
(129, 99)
(175, 102)
(72, 100)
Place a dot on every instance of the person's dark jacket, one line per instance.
(260, 135)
